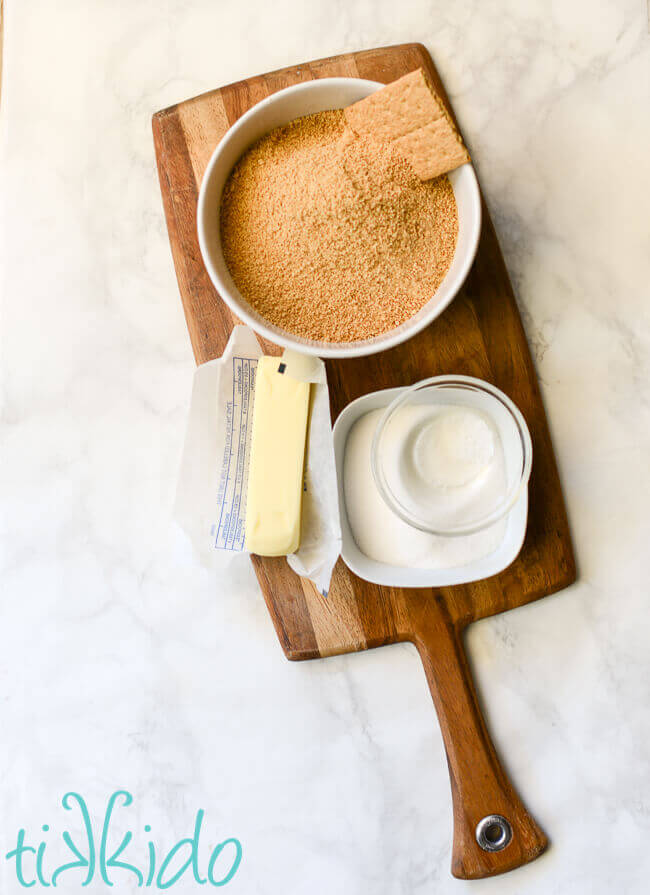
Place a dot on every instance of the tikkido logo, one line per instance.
(95, 859)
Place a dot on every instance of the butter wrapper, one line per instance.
(210, 502)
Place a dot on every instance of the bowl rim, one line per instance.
(358, 348)
(513, 493)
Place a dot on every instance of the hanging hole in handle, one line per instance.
(493, 832)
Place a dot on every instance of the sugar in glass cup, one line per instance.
(508, 425)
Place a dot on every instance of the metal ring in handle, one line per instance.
(493, 832)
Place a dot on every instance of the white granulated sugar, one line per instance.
(454, 448)
(445, 459)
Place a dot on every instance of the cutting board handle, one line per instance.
(493, 832)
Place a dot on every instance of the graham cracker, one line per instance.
(411, 116)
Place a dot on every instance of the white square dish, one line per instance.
(400, 576)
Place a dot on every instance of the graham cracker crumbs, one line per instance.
(409, 114)
(334, 237)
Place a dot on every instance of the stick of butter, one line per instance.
(277, 459)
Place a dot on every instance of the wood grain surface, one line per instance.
(481, 335)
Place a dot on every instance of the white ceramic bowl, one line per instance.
(279, 109)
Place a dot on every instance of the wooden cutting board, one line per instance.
(481, 335)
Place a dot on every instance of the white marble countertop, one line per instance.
(125, 666)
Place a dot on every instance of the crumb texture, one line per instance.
(332, 236)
